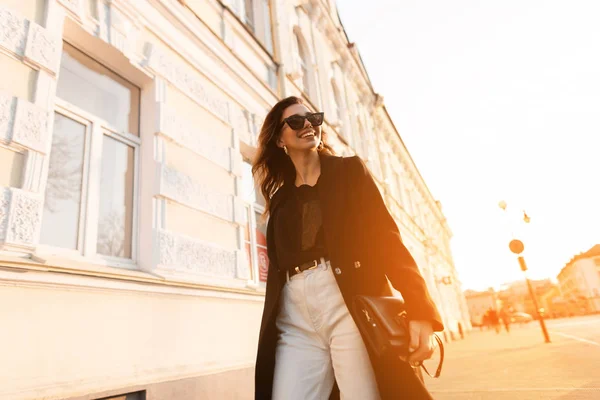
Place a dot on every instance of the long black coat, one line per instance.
(363, 241)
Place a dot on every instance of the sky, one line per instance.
(495, 100)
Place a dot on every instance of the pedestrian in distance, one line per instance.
(330, 237)
(505, 318)
(494, 319)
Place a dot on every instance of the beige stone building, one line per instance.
(579, 282)
(480, 302)
(132, 258)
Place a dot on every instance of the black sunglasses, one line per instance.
(296, 122)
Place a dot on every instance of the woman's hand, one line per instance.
(421, 341)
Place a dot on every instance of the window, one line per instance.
(256, 15)
(304, 61)
(255, 232)
(338, 106)
(267, 36)
(337, 102)
(363, 141)
(89, 205)
(248, 15)
(271, 76)
(93, 8)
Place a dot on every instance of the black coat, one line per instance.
(358, 228)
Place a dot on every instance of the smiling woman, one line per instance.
(330, 238)
(279, 135)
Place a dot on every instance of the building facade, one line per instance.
(479, 303)
(515, 295)
(553, 303)
(579, 282)
(132, 252)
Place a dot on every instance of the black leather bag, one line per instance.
(383, 324)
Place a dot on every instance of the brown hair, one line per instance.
(272, 167)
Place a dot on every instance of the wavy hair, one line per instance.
(272, 167)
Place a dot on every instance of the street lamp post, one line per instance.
(516, 246)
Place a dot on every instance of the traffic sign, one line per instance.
(516, 246)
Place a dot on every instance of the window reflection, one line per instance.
(62, 203)
(115, 217)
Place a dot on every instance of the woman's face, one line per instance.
(306, 138)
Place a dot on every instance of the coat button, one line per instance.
(356, 264)
(338, 271)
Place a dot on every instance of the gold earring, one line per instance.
(285, 149)
(321, 145)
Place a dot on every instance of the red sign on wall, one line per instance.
(263, 264)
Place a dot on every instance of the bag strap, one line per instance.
(439, 368)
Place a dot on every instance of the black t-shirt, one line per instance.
(303, 220)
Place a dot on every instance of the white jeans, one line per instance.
(318, 340)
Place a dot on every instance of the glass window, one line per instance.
(255, 231)
(115, 217)
(304, 63)
(62, 203)
(336, 102)
(248, 242)
(89, 204)
(251, 192)
(256, 16)
(338, 106)
(266, 17)
(249, 14)
(99, 91)
(93, 8)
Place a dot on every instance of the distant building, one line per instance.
(553, 303)
(516, 297)
(579, 282)
(479, 302)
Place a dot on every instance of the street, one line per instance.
(520, 366)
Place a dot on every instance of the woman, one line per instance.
(329, 238)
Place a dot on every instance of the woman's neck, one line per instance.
(308, 167)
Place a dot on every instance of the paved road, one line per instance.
(520, 366)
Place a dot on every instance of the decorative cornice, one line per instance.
(122, 26)
(31, 126)
(29, 40)
(8, 106)
(5, 195)
(192, 137)
(23, 123)
(182, 253)
(20, 217)
(73, 5)
(189, 82)
(183, 189)
(183, 77)
(242, 265)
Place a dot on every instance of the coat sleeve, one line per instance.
(398, 264)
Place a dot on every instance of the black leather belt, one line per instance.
(305, 267)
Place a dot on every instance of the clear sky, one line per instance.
(495, 100)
